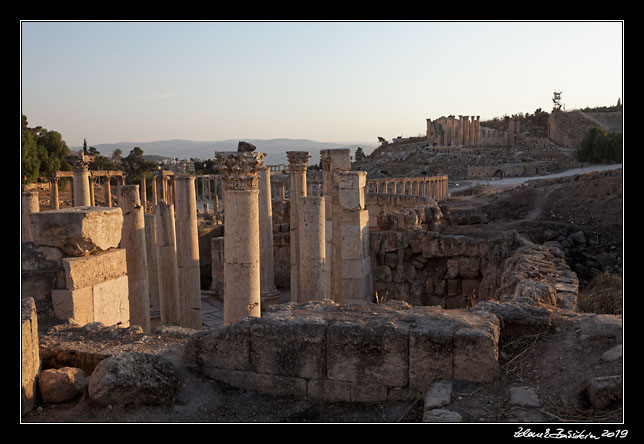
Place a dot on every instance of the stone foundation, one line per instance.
(363, 352)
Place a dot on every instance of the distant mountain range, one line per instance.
(275, 149)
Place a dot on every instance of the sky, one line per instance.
(111, 82)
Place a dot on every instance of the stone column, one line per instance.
(55, 205)
(452, 137)
(312, 269)
(477, 131)
(351, 244)
(188, 252)
(268, 292)
(81, 184)
(517, 125)
(144, 200)
(155, 199)
(168, 273)
(466, 130)
(92, 201)
(333, 160)
(460, 135)
(511, 132)
(429, 132)
(30, 205)
(133, 241)
(297, 164)
(151, 246)
(108, 192)
(241, 236)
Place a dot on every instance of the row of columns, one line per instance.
(447, 131)
(434, 187)
(162, 254)
(329, 234)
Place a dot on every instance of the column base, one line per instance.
(269, 297)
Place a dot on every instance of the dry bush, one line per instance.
(603, 295)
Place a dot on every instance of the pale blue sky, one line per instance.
(327, 81)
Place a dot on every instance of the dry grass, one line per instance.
(603, 295)
(559, 410)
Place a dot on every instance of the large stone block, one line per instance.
(87, 271)
(292, 347)
(78, 231)
(74, 304)
(476, 352)
(360, 353)
(30, 355)
(111, 301)
(226, 347)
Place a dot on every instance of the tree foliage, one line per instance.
(42, 151)
(600, 146)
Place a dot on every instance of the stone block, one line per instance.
(62, 384)
(78, 231)
(30, 354)
(359, 353)
(328, 390)
(81, 272)
(430, 352)
(226, 347)
(111, 301)
(74, 304)
(476, 353)
(367, 391)
(288, 348)
(452, 269)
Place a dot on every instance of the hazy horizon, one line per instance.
(110, 82)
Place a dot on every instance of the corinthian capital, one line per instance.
(239, 168)
(298, 160)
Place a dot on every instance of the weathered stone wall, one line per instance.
(378, 204)
(426, 268)
(73, 269)
(363, 352)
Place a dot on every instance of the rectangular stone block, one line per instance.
(226, 347)
(355, 353)
(430, 355)
(81, 272)
(271, 384)
(111, 302)
(328, 390)
(78, 231)
(476, 352)
(368, 392)
(289, 348)
(74, 304)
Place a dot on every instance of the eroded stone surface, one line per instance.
(78, 231)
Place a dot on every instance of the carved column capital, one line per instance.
(298, 160)
(240, 169)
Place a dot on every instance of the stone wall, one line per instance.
(426, 268)
(73, 269)
(363, 352)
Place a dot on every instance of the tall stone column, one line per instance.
(168, 273)
(55, 205)
(352, 262)
(297, 164)
(268, 292)
(429, 132)
(144, 199)
(477, 131)
(80, 167)
(333, 160)
(188, 252)
(152, 253)
(466, 130)
(460, 132)
(511, 132)
(133, 241)
(313, 266)
(452, 136)
(108, 192)
(241, 236)
(30, 205)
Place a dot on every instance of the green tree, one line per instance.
(29, 153)
(359, 154)
(600, 146)
(42, 151)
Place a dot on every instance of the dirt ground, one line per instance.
(556, 365)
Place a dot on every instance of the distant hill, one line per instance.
(275, 149)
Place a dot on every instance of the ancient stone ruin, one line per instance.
(350, 293)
